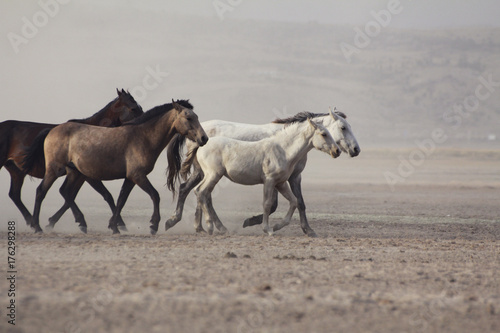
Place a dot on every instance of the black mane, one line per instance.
(85, 120)
(157, 111)
(302, 116)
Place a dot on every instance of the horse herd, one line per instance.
(123, 142)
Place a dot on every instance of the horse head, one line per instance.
(342, 133)
(187, 123)
(125, 108)
(323, 140)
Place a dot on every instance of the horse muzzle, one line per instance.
(335, 153)
(354, 152)
(202, 141)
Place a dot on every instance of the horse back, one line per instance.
(97, 152)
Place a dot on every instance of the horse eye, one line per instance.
(343, 128)
(189, 118)
(323, 134)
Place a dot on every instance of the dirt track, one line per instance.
(424, 258)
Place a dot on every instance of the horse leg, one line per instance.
(198, 215)
(217, 221)
(267, 204)
(257, 219)
(127, 187)
(284, 189)
(103, 191)
(41, 191)
(184, 190)
(16, 183)
(147, 187)
(203, 193)
(72, 184)
(295, 184)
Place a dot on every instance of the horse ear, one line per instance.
(118, 92)
(334, 115)
(176, 105)
(312, 123)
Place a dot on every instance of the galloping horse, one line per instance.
(16, 136)
(129, 151)
(334, 122)
(270, 161)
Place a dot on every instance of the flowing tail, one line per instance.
(174, 158)
(34, 155)
(186, 166)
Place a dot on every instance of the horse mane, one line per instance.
(157, 111)
(174, 158)
(85, 120)
(287, 128)
(302, 116)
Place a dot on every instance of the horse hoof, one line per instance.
(83, 229)
(254, 220)
(268, 231)
(152, 231)
(223, 230)
(49, 227)
(312, 234)
(168, 224)
(123, 227)
(38, 230)
(200, 230)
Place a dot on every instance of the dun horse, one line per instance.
(128, 152)
(270, 161)
(16, 136)
(335, 122)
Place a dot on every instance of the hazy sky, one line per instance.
(418, 14)
(92, 46)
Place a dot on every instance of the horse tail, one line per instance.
(5, 137)
(34, 155)
(186, 166)
(174, 158)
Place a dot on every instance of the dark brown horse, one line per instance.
(17, 136)
(129, 151)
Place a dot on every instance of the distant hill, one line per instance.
(399, 88)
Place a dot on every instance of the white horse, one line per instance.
(336, 124)
(269, 161)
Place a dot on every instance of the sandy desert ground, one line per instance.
(421, 258)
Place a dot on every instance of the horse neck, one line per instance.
(106, 116)
(296, 142)
(159, 131)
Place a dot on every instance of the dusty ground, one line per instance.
(421, 258)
